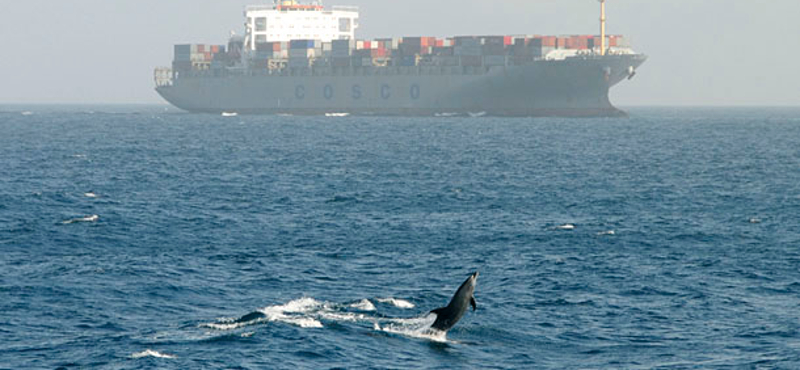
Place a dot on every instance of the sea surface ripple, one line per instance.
(134, 237)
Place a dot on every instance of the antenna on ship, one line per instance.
(602, 27)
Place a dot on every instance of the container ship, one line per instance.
(305, 59)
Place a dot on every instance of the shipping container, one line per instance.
(494, 60)
(443, 51)
(447, 61)
(185, 49)
(493, 49)
(520, 60)
(471, 60)
(340, 62)
(406, 61)
(466, 41)
(468, 50)
(182, 66)
(301, 44)
(299, 62)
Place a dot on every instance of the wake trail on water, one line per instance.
(310, 313)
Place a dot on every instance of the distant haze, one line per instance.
(702, 52)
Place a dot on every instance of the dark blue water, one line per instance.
(289, 242)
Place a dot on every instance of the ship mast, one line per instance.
(602, 27)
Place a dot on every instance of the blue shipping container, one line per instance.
(301, 44)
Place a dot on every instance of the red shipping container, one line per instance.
(508, 40)
(378, 53)
(201, 48)
(439, 43)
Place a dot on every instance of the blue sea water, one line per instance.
(313, 242)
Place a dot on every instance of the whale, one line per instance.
(448, 316)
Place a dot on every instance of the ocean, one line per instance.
(144, 238)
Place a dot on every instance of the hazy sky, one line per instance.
(702, 52)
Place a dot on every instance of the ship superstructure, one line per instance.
(303, 59)
(289, 20)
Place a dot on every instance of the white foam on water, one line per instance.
(151, 353)
(363, 305)
(337, 114)
(309, 313)
(399, 303)
(225, 325)
(566, 227)
(294, 312)
(92, 218)
(418, 327)
(342, 316)
(90, 195)
(609, 233)
(27, 113)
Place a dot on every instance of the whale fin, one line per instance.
(473, 303)
(439, 311)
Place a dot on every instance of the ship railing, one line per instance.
(345, 8)
(163, 76)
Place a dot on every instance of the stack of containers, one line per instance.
(327, 50)
(412, 46)
(264, 52)
(302, 52)
(494, 50)
(611, 41)
(468, 50)
(521, 51)
(195, 56)
(578, 42)
(542, 45)
(617, 41)
(340, 52)
(362, 57)
(561, 42)
(389, 43)
(445, 53)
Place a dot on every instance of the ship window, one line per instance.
(261, 24)
(344, 24)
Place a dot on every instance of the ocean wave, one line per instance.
(311, 313)
(92, 218)
(151, 353)
(294, 313)
(363, 305)
(399, 303)
(418, 327)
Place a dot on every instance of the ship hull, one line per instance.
(575, 87)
